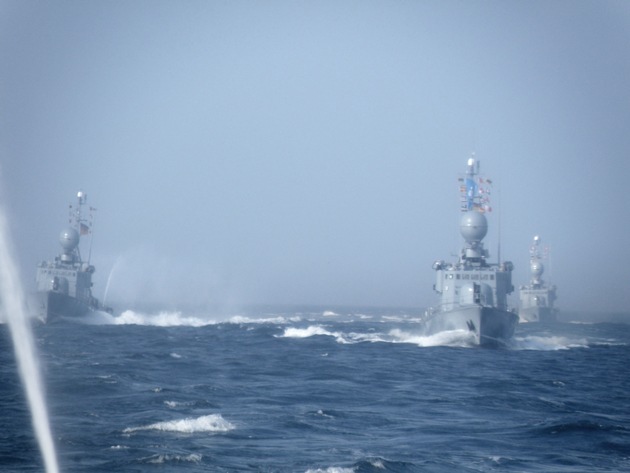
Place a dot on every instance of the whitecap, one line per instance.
(161, 319)
(455, 338)
(366, 337)
(175, 404)
(312, 330)
(450, 338)
(331, 469)
(208, 423)
(294, 332)
(393, 318)
(166, 458)
(534, 342)
(279, 320)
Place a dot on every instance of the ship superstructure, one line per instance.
(473, 292)
(64, 285)
(537, 298)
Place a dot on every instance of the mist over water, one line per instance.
(14, 310)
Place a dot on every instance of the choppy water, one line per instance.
(319, 391)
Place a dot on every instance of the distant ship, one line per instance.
(64, 285)
(537, 298)
(473, 292)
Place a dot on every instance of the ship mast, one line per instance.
(474, 189)
(474, 197)
(82, 225)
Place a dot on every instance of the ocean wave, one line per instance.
(178, 319)
(581, 426)
(208, 423)
(367, 464)
(279, 320)
(161, 319)
(175, 404)
(169, 458)
(450, 338)
(550, 343)
(313, 330)
(294, 332)
(458, 338)
(331, 469)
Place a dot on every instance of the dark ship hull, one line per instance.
(492, 327)
(50, 306)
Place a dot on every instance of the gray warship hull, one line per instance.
(538, 314)
(537, 298)
(492, 327)
(473, 292)
(50, 306)
(64, 285)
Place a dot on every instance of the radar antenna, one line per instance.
(82, 225)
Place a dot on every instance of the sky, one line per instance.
(300, 152)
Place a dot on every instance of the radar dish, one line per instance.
(69, 239)
(473, 226)
(537, 268)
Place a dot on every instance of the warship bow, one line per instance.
(537, 298)
(64, 285)
(473, 292)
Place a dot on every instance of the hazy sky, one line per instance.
(308, 152)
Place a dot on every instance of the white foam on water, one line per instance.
(313, 330)
(175, 404)
(14, 311)
(175, 319)
(365, 337)
(166, 458)
(393, 318)
(377, 463)
(449, 338)
(161, 319)
(279, 320)
(208, 423)
(331, 469)
(294, 332)
(329, 313)
(455, 338)
(547, 343)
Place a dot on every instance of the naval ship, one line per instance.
(64, 285)
(473, 292)
(537, 298)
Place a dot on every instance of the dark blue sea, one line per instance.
(319, 390)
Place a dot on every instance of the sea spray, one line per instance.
(12, 299)
(109, 279)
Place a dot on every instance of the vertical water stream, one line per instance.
(12, 300)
